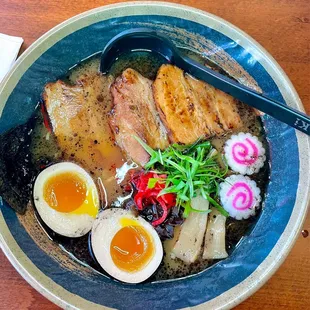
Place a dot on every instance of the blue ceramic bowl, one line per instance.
(69, 284)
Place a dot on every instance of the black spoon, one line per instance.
(144, 39)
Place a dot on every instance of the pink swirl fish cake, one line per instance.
(240, 196)
(244, 153)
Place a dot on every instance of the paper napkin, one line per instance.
(9, 48)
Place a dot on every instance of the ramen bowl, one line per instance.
(70, 284)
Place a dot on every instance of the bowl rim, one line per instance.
(266, 269)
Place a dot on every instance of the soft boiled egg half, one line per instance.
(126, 247)
(66, 199)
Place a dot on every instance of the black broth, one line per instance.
(33, 142)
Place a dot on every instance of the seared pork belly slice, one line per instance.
(206, 100)
(215, 246)
(178, 106)
(220, 109)
(192, 109)
(226, 107)
(189, 243)
(79, 119)
(134, 114)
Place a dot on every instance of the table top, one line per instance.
(282, 27)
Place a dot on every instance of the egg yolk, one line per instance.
(65, 192)
(131, 248)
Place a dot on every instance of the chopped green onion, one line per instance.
(189, 169)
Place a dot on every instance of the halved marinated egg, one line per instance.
(127, 247)
(66, 199)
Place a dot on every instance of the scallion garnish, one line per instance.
(190, 170)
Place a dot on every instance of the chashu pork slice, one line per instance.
(178, 106)
(206, 101)
(220, 109)
(79, 119)
(192, 109)
(134, 114)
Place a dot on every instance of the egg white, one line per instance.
(66, 224)
(104, 229)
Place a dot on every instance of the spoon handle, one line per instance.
(267, 105)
